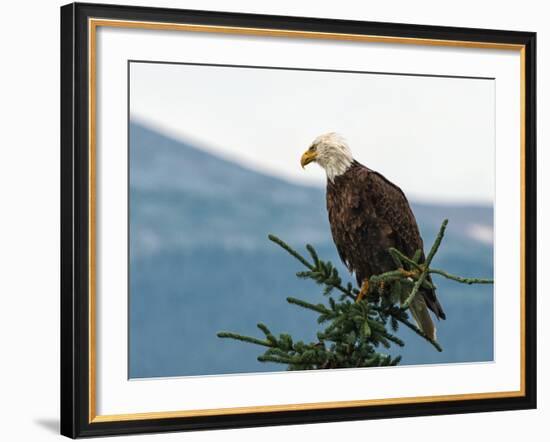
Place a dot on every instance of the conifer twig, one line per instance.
(290, 250)
(397, 313)
(461, 279)
(420, 333)
(319, 308)
(403, 257)
(295, 254)
(243, 338)
(426, 265)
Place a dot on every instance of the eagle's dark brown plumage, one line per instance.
(368, 214)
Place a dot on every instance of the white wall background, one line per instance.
(29, 225)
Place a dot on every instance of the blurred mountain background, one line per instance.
(200, 262)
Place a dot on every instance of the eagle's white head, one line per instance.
(331, 152)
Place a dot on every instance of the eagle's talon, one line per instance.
(363, 292)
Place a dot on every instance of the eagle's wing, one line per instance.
(393, 210)
(368, 215)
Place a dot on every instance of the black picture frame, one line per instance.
(75, 247)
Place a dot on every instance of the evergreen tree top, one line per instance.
(357, 332)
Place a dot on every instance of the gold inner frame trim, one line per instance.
(299, 34)
(297, 407)
(92, 28)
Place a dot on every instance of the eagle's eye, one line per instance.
(313, 148)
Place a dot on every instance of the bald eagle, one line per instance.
(368, 214)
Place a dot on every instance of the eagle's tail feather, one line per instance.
(422, 316)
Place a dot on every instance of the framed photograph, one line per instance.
(275, 220)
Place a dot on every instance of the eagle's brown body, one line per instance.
(368, 214)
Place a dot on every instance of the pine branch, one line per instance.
(398, 315)
(420, 333)
(249, 339)
(276, 359)
(426, 265)
(319, 308)
(290, 250)
(461, 279)
(400, 257)
(354, 330)
(318, 270)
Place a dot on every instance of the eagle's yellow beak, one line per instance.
(308, 157)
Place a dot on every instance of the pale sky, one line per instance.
(434, 137)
